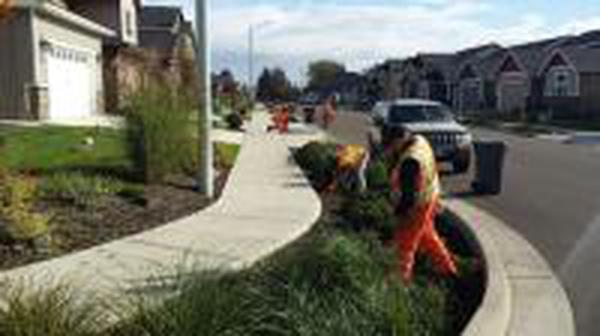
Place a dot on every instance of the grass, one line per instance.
(227, 153)
(50, 148)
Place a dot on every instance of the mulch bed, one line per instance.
(76, 229)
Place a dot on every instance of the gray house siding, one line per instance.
(16, 67)
(590, 97)
(118, 15)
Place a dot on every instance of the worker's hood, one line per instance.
(434, 127)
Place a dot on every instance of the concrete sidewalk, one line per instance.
(266, 204)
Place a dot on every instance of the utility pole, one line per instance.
(251, 61)
(206, 174)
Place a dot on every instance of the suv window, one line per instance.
(414, 113)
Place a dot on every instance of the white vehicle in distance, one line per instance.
(450, 140)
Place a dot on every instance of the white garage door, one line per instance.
(71, 85)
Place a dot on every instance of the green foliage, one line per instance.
(369, 211)
(318, 161)
(324, 73)
(274, 85)
(226, 154)
(85, 191)
(48, 311)
(234, 121)
(21, 223)
(377, 177)
(204, 303)
(158, 133)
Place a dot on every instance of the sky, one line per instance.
(359, 33)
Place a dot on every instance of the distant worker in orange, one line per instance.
(414, 176)
(280, 118)
(329, 113)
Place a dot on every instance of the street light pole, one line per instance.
(251, 62)
(205, 178)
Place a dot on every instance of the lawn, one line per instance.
(51, 148)
(92, 194)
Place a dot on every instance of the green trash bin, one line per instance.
(489, 168)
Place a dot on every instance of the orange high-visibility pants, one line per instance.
(415, 231)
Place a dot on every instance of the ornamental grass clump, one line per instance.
(159, 133)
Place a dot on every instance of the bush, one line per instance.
(234, 121)
(369, 211)
(85, 191)
(377, 177)
(159, 133)
(20, 222)
(318, 161)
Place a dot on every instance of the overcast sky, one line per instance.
(290, 33)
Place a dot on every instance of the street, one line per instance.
(551, 196)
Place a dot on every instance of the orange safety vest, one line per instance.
(429, 185)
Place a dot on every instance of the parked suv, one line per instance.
(451, 141)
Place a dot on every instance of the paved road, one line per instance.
(551, 196)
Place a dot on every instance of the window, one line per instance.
(561, 82)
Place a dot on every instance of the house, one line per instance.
(351, 88)
(474, 78)
(50, 63)
(169, 37)
(517, 78)
(162, 52)
(121, 16)
(569, 80)
(429, 76)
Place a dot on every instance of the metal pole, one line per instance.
(205, 178)
(251, 61)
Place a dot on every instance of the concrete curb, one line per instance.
(523, 295)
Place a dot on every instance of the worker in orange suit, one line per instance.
(281, 119)
(284, 120)
(351, 164)
(414, 177)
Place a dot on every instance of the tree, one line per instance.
(273, 84)
(323, 74)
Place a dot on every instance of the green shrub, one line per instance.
(369, 211)
(377, 177)
(226, 154)
(21, 223)
(158, 133)
(85, 191)
(234, 121)
(318, 161)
